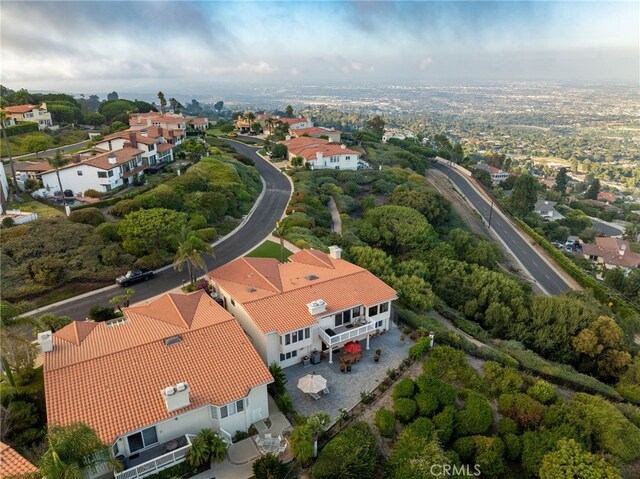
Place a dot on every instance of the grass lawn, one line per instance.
(67, 136)
(34, 206)
(269, 249)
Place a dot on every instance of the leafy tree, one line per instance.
(95, 119)
(524, 410)
(593, 190)
(57, 162)
(524, 195)
(562, 180)
(615, 278)
(37, 142)
(415, 292)
(301, 442)
(373, 259)
(386, 422)
(570, 461)
(352, 454)
(602, 341)
(4, 116)
(176, 106)
(116, 110)
(430, 203)
(277, 387)
(269, 467)
(218, 106)
(289, 111)
(413, 457)
(256, 127)
(74, 450)
(112, 96)
(206, 447)
(476, 416)
(483, 176)
(297, 161)
(190, 248)
(122, 300)
(401, 229)
(279, 151)
(376, 124)
(144, 231)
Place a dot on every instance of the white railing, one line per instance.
(347, 335)
(226, 437)
(157, 464)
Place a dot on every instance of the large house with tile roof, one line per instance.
(156, 143)
(313, 302)
(149, 380)
(103, 171)
(28, 113)
(331, 134)
(612, 253)
(322, 154)
(13, 464)
(170, 121)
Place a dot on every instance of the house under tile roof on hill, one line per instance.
(148, 380)
(313, 302)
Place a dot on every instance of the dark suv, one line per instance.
(134, 276)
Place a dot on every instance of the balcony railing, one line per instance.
(157, 464)
(347, 335)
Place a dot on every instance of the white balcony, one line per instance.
(348, 335)
(157, 463)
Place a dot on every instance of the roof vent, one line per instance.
(251, 289)
(317, 307)
(311, 277)
(335, 252)
(115, 322)
(176, 397)
(172, 340)
(113, 160)
(45, 340)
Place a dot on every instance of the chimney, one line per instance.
(343, 146)
(317, 307)
(45, 340)
(132, 139)
(176, 397)
(76, 158)
(287, 138)
(144, 133)
(622, 250)
(335, 252)
(127, 144)
(113, 160)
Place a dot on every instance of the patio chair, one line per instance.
(314, 396)
(259, 441)
(267, 436)
(325, 391)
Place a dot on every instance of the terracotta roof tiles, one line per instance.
(13, 464)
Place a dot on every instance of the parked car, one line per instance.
(134, 276)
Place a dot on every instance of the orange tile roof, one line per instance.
(275, 295)
(32, 166)
(165, 147)
(102, 160)
(20, 108)
(293, 121)
(314, 130)
(200, 121)
(13, 464)
(115, 373)
(309, 147)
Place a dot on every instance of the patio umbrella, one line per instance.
(352, 348)
(312, 383)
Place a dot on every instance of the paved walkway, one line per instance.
(336, 221)
(290, 246)
(345, 388)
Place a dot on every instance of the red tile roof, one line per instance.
(101, 160)
(13, 464)
(275, 295)
(313, 131)
(115, 373)
(609, 250)
(293, 121)
(308, 148)
(20, 108)
(165, 147)
(32, 166)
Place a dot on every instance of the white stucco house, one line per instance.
(322, 154)
(24, 113)
(313, 302)
(497, 175)
(331, 134)
(102, 172)
(547, 209)
(151, 380)
(156, 149)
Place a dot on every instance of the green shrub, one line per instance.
(269, 467)
(524, 410)
(8, 222)
(284, 403)
(179, 470)
(101, 313)
(476, 417)
(90, 193)
(443, 392)
(352, 454)
(386, 422)
(420, 348)
(490, 456)
(109, 231)
(631, 412)
(500, 379)
(208, 234)
(421, 427)
(449, 364)
(124, 207)
(630, 392)
(405, 409)
(507, 426)
(465, 447)
(21, 128)
(154, 260)
(445, 423)
(198, 222)
(88, 216)
(427, 404)
(404, 389)
(513, 446)
(543, 392)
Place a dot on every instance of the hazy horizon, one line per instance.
(192, 48)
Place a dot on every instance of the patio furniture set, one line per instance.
(313, 384)
(273, 445)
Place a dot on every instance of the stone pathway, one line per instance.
(335, 217)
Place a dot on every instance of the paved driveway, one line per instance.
(345, 388)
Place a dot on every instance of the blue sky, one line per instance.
(140, 46)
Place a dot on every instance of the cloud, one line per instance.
(425, 62)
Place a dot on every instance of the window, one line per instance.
(79, 173)
(384, 307)
(107, 187)
(233, 303)
(110, 173)
(142, 439)
(102, 174)
(232, 408)
(152, 147)
(378, 324)
(373, 310)
(289, 355)
(343, 317)
(355, 312)
(296, 336)
(347, 158)
(115, 450)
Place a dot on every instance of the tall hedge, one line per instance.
(352, 454)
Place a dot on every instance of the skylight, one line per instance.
(115, 322)
(172, 340)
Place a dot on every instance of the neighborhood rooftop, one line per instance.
(276, 294)
(13, 464)
(114, 371)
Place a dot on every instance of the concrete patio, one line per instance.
(345, 388)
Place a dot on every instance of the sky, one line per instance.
(87, 47)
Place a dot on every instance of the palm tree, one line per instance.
(57, 162)
(163, 102)
(3, 117)
(189, 251)
(11, 320)
(269, 467)
(207, 447)
(317, 423)
(74, 450)
(301, 441)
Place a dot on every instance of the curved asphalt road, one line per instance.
(550, 281)
(250, 235)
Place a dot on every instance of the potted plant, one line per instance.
(376, 357)
(378, 352)
(342, 367)
(348, 368)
